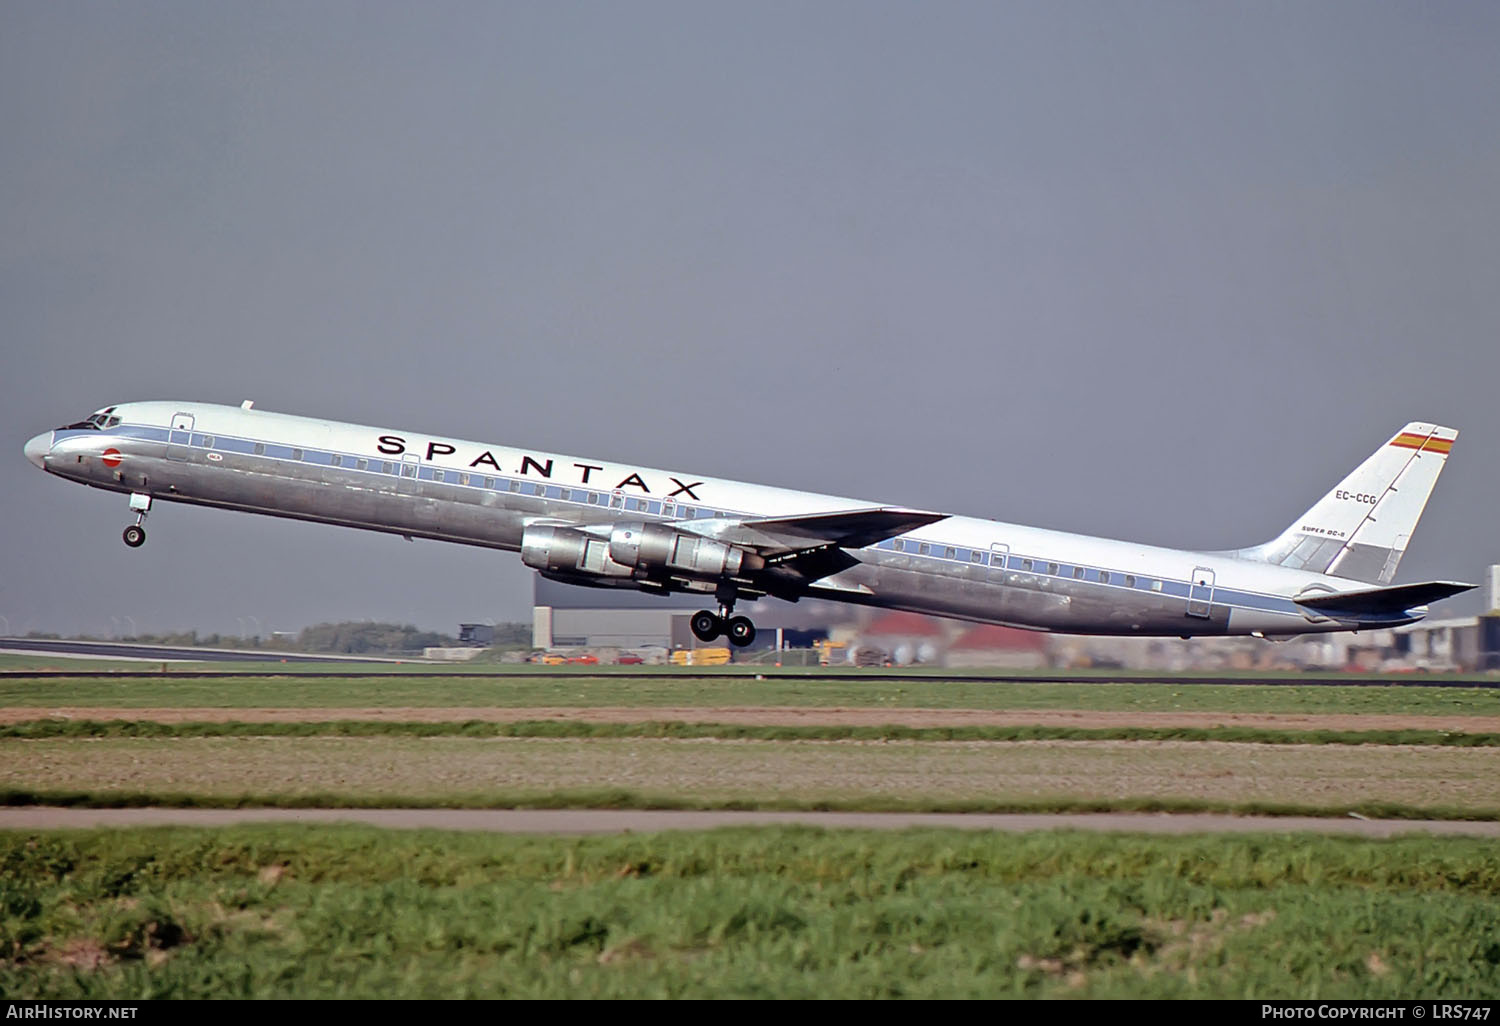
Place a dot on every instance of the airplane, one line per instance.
(602, 523)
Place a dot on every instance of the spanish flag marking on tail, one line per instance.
(1424, 443)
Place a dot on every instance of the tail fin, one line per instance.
(1360, 529)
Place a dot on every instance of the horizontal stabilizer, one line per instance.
(1381, 603)
(853, 529)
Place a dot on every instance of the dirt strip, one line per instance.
(611, 821)
(774, 716)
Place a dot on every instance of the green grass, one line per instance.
(787, 913)
(525, 690)
(34, 730)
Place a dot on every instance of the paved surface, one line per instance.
(164, 653)
(591, 821)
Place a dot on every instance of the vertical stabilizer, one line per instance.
(1360, 529)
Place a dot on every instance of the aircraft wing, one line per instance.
(852, 529)
(1381, 603)
(799, 550)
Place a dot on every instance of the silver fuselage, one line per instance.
(427, 486)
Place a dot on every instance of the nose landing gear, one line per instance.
(135, 534)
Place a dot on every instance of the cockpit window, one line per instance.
(94, 422)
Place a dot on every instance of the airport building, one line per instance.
(1463, 643)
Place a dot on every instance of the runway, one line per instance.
(613, 821)
(163, 653)
(730, 673)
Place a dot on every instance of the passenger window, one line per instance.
(1103, 576)
(296, 454)
(1130, 580)
(515, 486)
(489, 482)
(1052, 568)
(260, 448)
(1025, 564)
(463, 479)
(437, 475)
(923, 549)
(408, 470)
(386, 468)
(362, 464)
(336, 460)
(1156, 586)
(1078, 573)
(976, 557)
(950, 553)
(898, 546)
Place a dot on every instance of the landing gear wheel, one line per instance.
(706, 626)
(135, 536)
(741, 631)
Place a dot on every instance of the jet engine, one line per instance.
(563, 551)
(656, 549)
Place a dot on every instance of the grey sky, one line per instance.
(1161, 271)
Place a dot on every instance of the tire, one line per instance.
(706, 626)
(135, 536)
(741, 631)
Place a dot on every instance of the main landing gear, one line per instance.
(135, 534)
(707, 626)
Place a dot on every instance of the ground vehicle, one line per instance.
(700, 657)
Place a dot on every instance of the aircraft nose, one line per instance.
(39, 447)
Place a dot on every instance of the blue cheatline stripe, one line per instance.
(963, 556)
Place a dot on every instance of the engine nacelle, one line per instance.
(656, 549)
(561, 550)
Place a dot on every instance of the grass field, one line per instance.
(774, 912)
(352, 912)
(524, 690)
(449, 771)
(1289, 767)
(583, 728)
